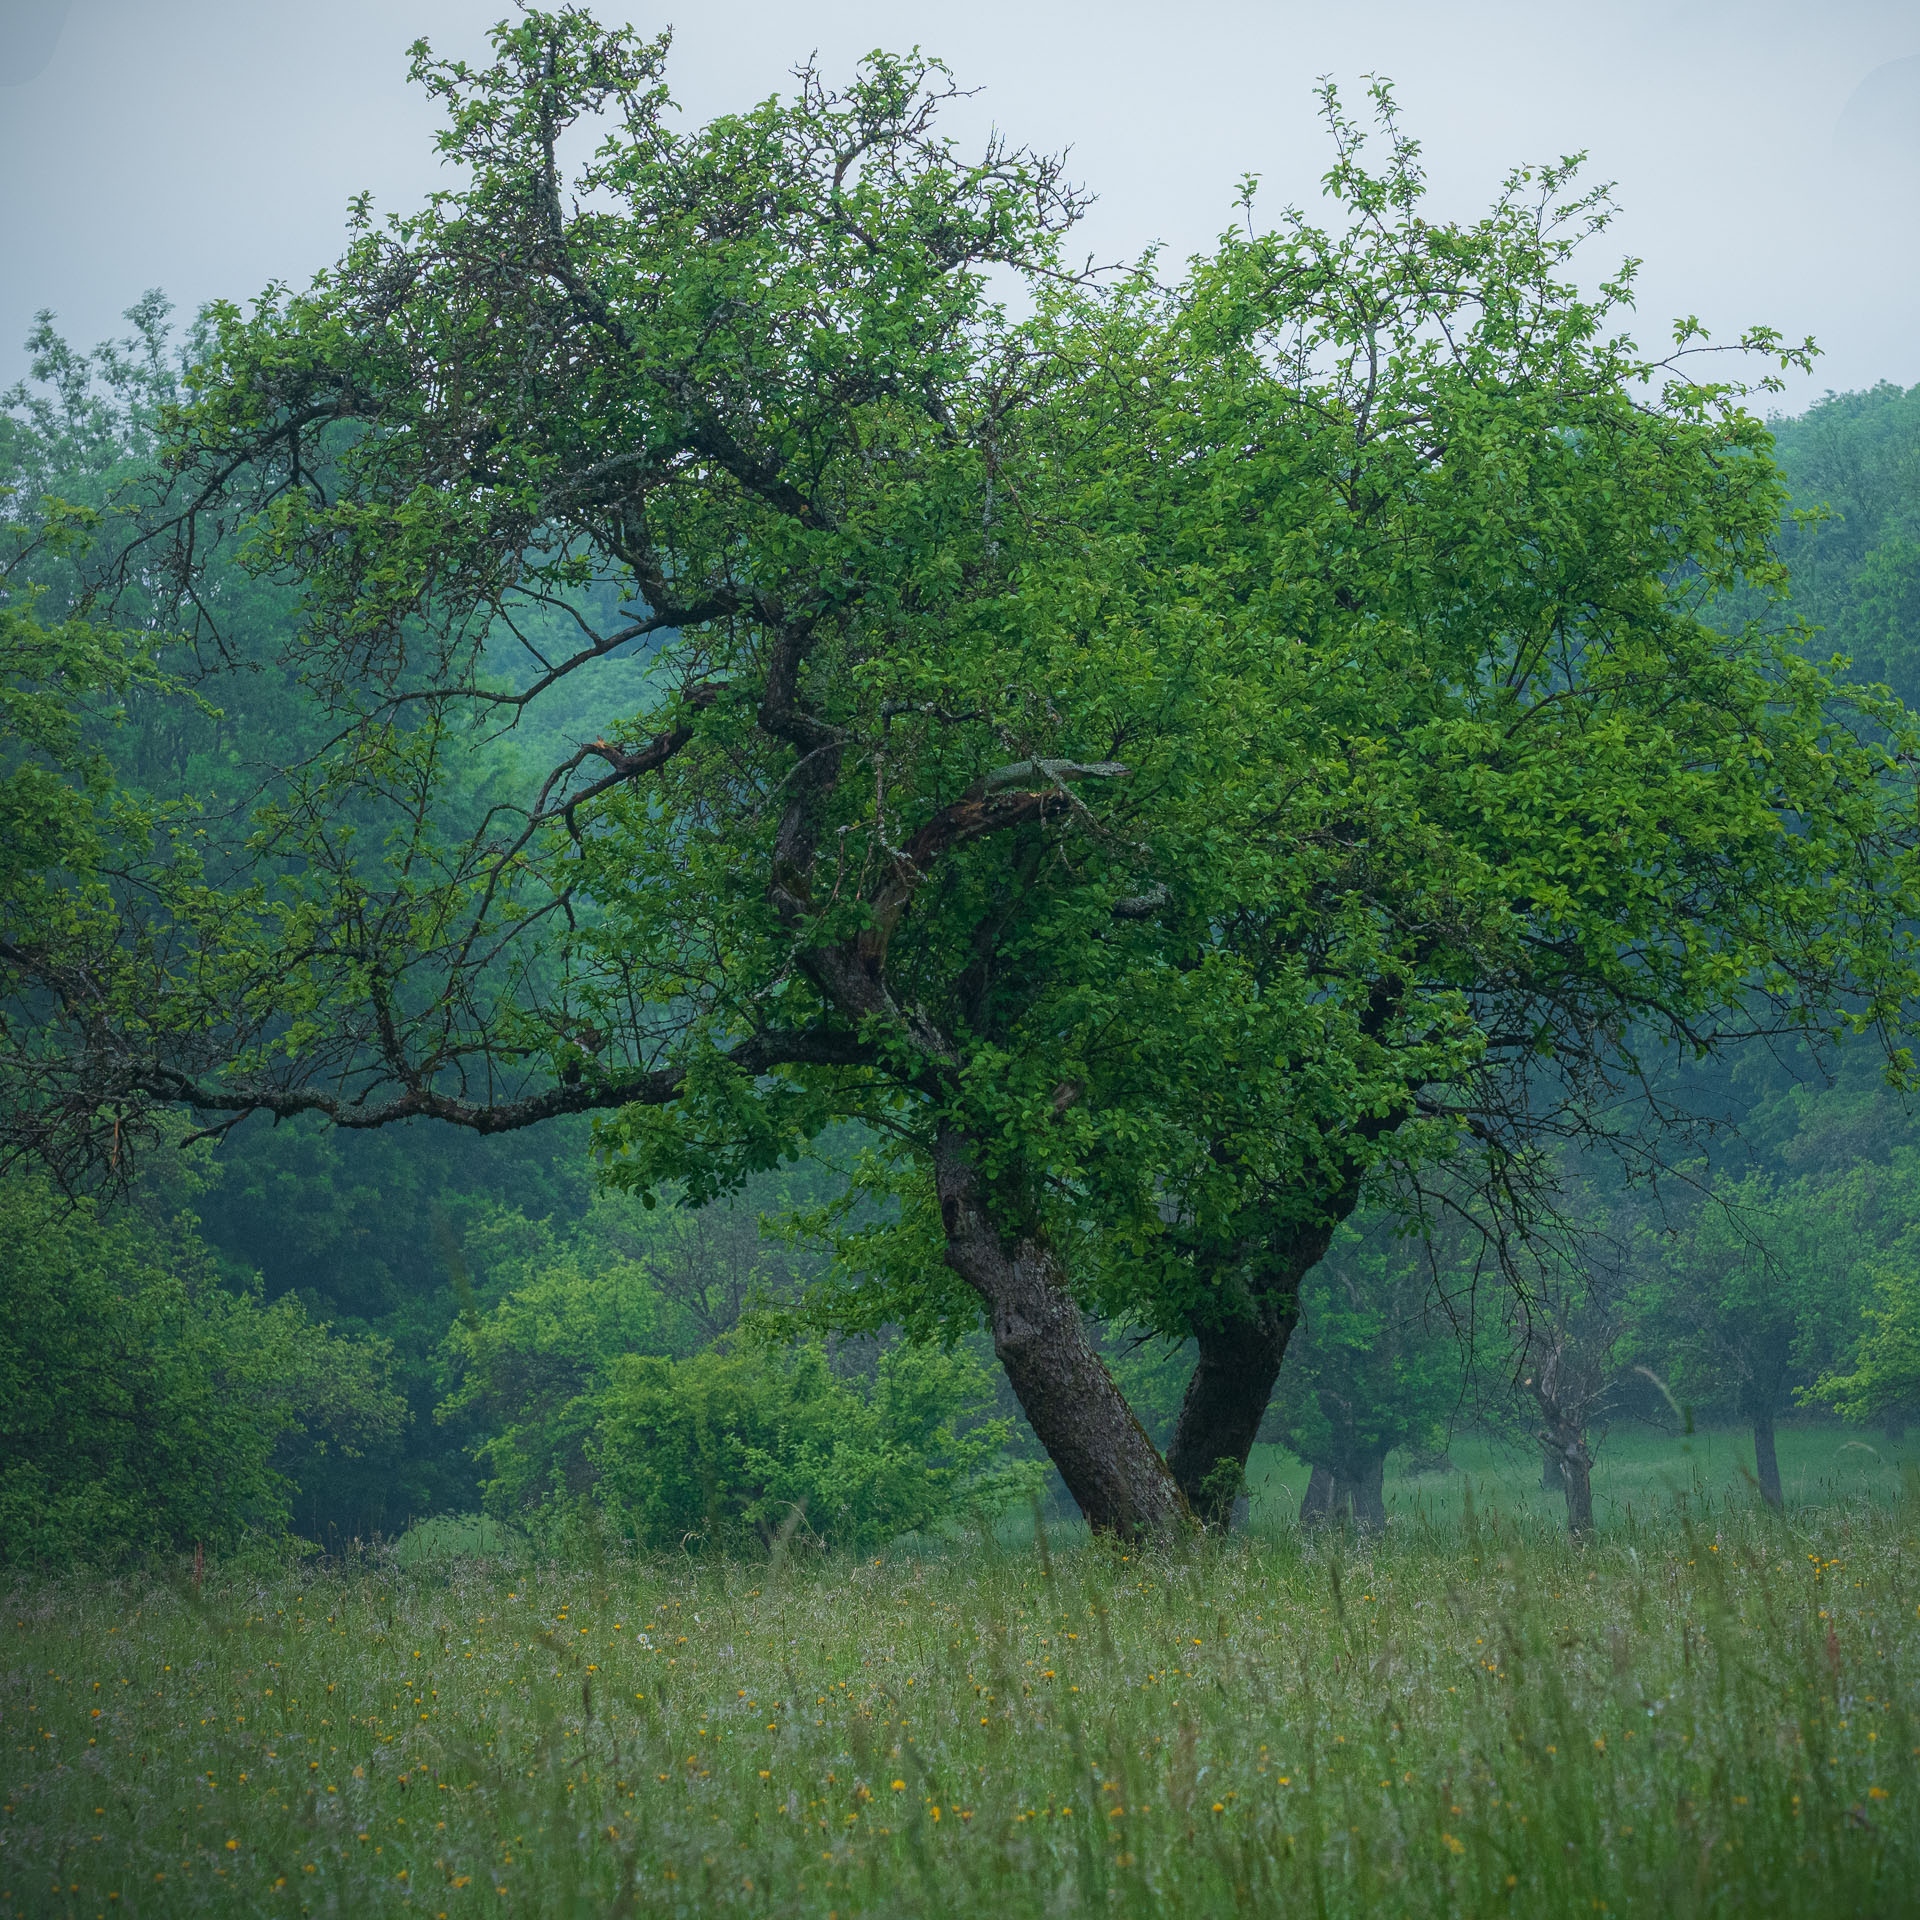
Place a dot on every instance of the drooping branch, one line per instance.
(758, 1054)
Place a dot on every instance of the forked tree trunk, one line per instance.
(1766, 1460)
(1112, 1469)
(1239, 1360)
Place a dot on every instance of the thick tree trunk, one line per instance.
(1112, 1469)
(1552, 1479)
(1239, 1360)
(1366, 1480)
(1316, 1505)
(1226, 1399)
(1766, 1459)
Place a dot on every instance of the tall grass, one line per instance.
(1700, 1714)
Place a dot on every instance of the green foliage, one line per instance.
(593, 1379)
(754, 1443)
(1873, 1370)
(1414, 725)
(1882, 1375)
(374, 1234)
(1377, 1362)
(1853, 464)
(52, 780)
(68, 686)
(143, 1406)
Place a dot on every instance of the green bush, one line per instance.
(730, 1445)
(606, 1403)
(144, 1406)
(528, 1370)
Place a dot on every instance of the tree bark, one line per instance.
(1239, 1360)
(1365, 1481)
(1552, 1479)
(1225, 1401)
(1316, 1505)
(1766, 1459)
(1567, 1443)
(1579, 1479)
(1111, 1467)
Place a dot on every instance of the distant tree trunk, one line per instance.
(1552, 1478)
(1579, 1483)
(1316, 1507)
(1112, 1469)
(1364, 1480)
(1348, 1488)
(1766, 1460)
(1568, 1445)
(1571, 1359)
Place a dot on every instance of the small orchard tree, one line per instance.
(1376, 1365)
(1568, 1370)
(1569, 1323)
(1759, 1293)
(1153, 760)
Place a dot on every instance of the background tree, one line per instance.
(1853, 461)
(1563, 1360)
(1377, 1364)
(1758, 1292)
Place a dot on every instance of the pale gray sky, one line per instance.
(1767, 152)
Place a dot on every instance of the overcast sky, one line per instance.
(1767, 152)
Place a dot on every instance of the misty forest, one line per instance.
(848, 1071)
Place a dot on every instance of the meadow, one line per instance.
(1707, 1710)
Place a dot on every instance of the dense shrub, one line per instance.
(590, 1359)
(143, 1405)
(729, 1444)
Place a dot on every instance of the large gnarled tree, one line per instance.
(1156, 758)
